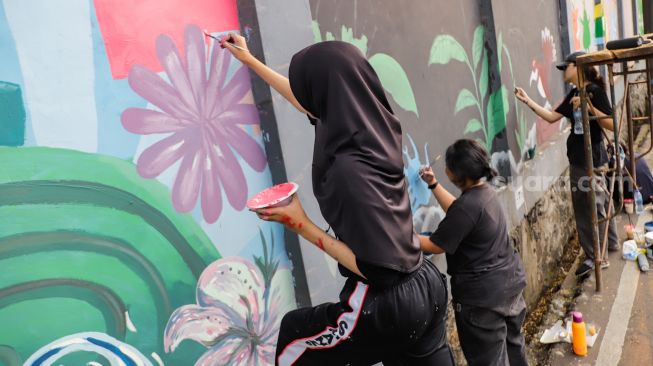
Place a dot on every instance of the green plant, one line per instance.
(492, 109)
(522, 124)
(390, 72)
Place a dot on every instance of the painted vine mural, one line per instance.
(492, 110)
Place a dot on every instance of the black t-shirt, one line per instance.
(485, 269)
(575, 146)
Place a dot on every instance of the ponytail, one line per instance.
(593, 76)
(490, 173)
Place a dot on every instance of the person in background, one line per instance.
(598, 105)
(487, 274)
(644, 178)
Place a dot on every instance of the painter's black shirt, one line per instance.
(485, 269)
(575, 146)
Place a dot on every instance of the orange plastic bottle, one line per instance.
(578, 336)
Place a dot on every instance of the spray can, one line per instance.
(642, 262)
(578, 336)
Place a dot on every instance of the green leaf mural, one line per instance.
(477, 45)
(473, 125)
(483, 79)
(395, 81)
(587, 35)
(465, 99)
(392, 75)
(101, 248)
(347, 35)
(494, 108)
(444, 49)
(497, 111)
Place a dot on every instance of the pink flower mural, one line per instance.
(205, 118)
(238, 312)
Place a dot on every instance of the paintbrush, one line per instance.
(421, 170)
(220, 41)
(435, 160)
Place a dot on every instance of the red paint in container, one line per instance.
(277, 196)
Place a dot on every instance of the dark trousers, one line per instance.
(579, 184)
(489, 338)
(399, 325)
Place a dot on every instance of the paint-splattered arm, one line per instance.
(295, 219)
(335, 248)
(277, 81)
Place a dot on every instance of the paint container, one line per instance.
(277, 196)
(629, 205)
(649, 238)
(629, 250)
(640, 238)
(648, 226)
(630, 229)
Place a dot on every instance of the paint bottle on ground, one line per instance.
(639, 202)
(578, 335)
(642, 262)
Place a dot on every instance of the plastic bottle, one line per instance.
(639, 202)
(578, 121)
(629, 250)
(642, 262)
(578, 335)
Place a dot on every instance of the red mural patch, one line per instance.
(130, 27)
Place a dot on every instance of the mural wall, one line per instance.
(450, 76)
(593, 23)
(529, 53)
(130, 143)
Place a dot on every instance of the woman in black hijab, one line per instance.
(392, 308)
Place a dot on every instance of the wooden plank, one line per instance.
(607, 56)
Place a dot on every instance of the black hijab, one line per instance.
(358, 176)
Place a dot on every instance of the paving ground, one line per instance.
(622, 310)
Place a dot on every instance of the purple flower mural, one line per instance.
(238, 312)
(204, 118)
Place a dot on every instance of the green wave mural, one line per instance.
(99, 247)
